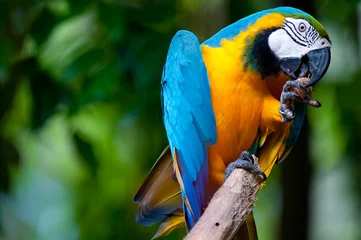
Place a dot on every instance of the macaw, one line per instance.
(225, 100)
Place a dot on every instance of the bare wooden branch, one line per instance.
(228, 208)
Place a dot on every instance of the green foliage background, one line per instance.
(80, 117)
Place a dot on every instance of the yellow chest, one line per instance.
(237, 99)
(244, 109)
(237, 110)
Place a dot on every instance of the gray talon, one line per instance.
(246, 162)
(291, 96)
(247, 156)
(294, 84)
(290, 114)
(286, 108)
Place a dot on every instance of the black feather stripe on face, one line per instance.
(259, 57)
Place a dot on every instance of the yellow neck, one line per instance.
(226, 62)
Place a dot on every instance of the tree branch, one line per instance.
(228, 208)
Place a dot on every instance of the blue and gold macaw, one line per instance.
(226, 99)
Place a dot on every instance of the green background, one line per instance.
(80, 119)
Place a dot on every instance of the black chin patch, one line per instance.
(259, 57)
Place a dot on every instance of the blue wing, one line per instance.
(189, 119)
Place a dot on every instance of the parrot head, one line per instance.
(302, 48)
(282, 39)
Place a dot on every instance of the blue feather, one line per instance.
(188, 118)
(234, 29)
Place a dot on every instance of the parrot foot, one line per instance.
(247, 162)
(288, 95)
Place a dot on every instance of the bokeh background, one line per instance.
(80, 119)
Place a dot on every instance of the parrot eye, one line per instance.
(302, 27)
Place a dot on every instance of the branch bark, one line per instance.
(228, 208)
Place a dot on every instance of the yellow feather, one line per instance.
(159, 196)
(263, 137)
(171, 223)
(180, 181)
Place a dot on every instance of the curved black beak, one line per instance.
(319, 60)
(315, 64)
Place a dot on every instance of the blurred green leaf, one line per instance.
(42, 25)
(153, 13)
(113, 18)
(86, 151)
(6, 54)
(69, 40)
(82, 65)
(46, 94)
(10, 158)
(346, 94)
(79, 6)
(60, 8)
(328, 136)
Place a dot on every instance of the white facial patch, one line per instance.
(295, 39)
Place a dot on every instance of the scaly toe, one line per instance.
(244, 164)
(247, 156)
